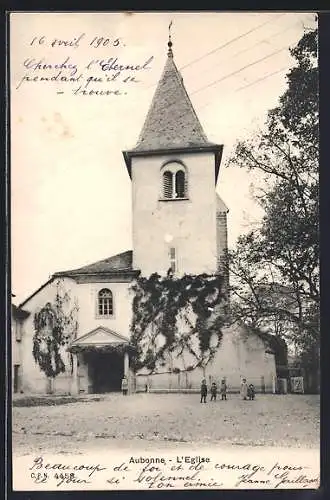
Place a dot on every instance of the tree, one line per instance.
(283, 252)
(55, 325)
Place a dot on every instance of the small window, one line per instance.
(172, 260)
(16, 378)
(18, 331)
(105, 302)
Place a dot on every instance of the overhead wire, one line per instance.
(247, 49)
(223, 46)
(261, 79)
(269, 75)
(199, 108)
(236, 72)
(231, 41)
(265, 40)
(219, 80)
(248, 85)
(268, 56)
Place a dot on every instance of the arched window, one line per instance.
(174, 185)
(167, 184)
(180, 184)
(105, 302)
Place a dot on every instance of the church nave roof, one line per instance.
(121, 262)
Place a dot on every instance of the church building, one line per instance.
(179, 224)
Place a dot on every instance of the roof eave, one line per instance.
(218, 158)
(35, 293)
(20, 313)
(123, 272)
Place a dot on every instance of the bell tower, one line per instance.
(174, 170)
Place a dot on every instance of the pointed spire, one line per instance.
(170, 44)
(171, 121)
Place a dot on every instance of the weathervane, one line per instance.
(170, 53)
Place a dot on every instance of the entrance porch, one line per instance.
(100, 360)
(105, 371)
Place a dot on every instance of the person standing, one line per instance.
(244, 389)
(203, 391)
(223, 390)
(214, 390)
(124, 385)
(251, 392)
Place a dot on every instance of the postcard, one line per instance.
(165, 261)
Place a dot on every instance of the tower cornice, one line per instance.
(217, 149)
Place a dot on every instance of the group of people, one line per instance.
(247, 391)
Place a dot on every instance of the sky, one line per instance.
(70, 191)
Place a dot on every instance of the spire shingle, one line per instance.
(171, 121)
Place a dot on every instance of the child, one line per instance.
(223, 390)
(124, 385)
(214, 391)
(251, 392)
(203, 391)
(244, 389)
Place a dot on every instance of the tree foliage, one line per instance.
(275, 267)
(55, 325)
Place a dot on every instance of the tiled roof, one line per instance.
(120, 263)
(171, 121)
(116, 263)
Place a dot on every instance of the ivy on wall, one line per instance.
(173, 315)
(55, 325)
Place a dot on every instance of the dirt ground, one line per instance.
(164, 419)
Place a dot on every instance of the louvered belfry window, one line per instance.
(168, 184)
(180, 184)
(105, 302)
(174, 182)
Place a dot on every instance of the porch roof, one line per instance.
(99, 337)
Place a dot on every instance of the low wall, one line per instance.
(189, 382)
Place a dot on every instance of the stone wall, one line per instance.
(122, 307)
(222, 246)
(16, 345)
(241, 355)
(33, 379)
(191, 222)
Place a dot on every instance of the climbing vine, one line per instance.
(173, 315)
(55, 325)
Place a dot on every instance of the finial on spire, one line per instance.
(170, 53)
